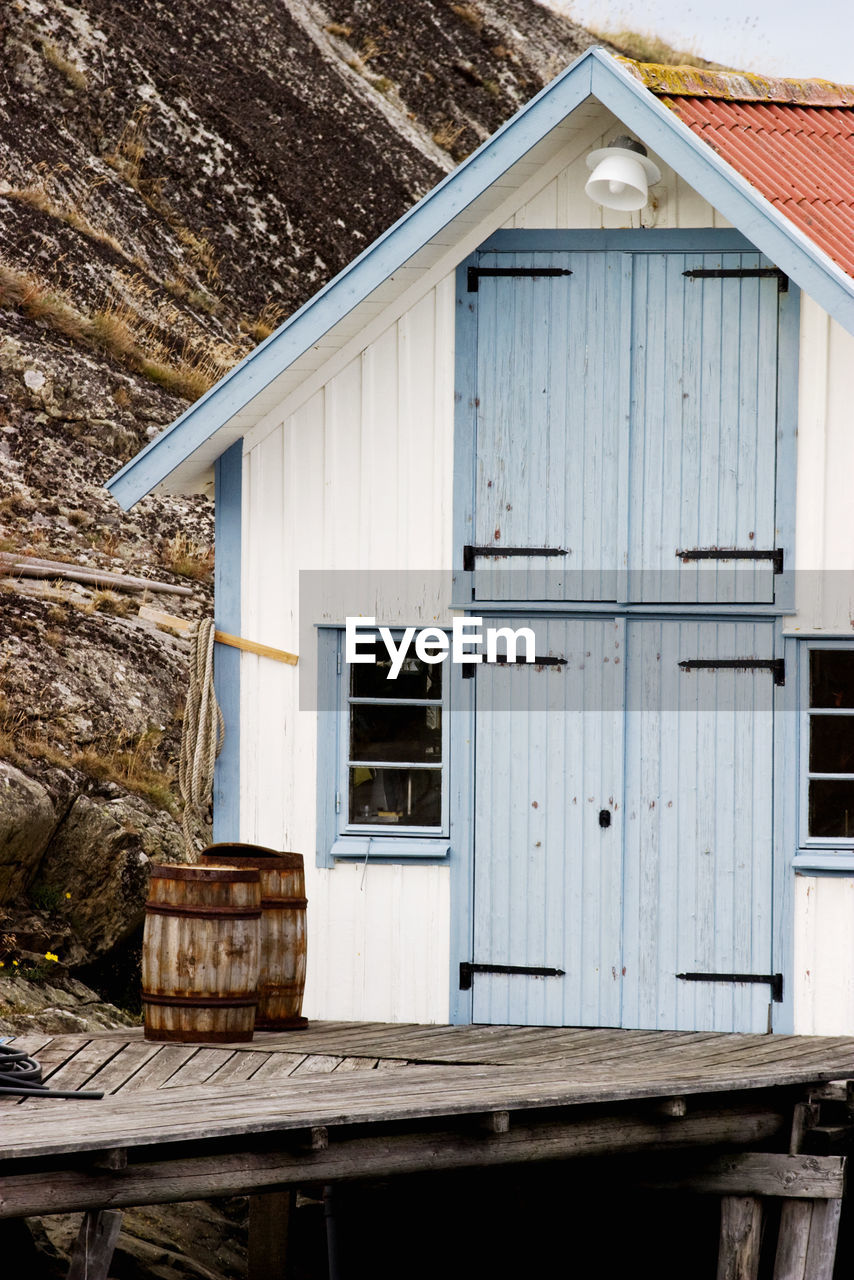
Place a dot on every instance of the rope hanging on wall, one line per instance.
(201, 741)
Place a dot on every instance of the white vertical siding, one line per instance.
(824, 906)
(359, 477)
(562, 203)
(824, 526)
(824, 955)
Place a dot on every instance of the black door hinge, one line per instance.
(501, 660)
(739, 273)
(775, 555)
(775, 665)
(774, 980)
(467, 970)
(475, 273)
(470, 554)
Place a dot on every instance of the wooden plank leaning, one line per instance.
(95, 1244)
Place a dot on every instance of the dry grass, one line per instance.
(129, 152)
(74, 75)
(127, 158)
(645, 47)
(339, 29)
(187, 558)
(44, 192)
(266, 322)
(448, 134)
(131, 327)
(129, 761)
(470, 15)
(370, 49)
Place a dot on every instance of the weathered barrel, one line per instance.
(281, 980)
(201, 953)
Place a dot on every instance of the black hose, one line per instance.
(21, 1076)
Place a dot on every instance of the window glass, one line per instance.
(416, 679)
(396, 797)
(393, 734)
(395, 752)
(830, 805)
(831, 678)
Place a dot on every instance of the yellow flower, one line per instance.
(2, 964)
(15, 963)
(48, 955)
(68, 895)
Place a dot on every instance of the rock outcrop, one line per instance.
(172, 186)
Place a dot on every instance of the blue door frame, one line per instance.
(786, 709)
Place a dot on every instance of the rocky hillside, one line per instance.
(172, 184)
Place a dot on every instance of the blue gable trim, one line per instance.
(594, 73)
(229, 506)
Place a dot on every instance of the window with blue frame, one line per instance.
(827, 809)
(383, 759)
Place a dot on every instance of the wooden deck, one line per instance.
(348, 1101)
(341, 1101)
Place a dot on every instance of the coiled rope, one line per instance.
(21, 1075)
(201, 741)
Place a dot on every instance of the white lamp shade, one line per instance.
(620, 178)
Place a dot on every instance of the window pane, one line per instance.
(402, 797)
(411, 734)
(832, 744)
(832, 678)
(832, 809)
(416, 679)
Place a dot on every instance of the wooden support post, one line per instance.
(316, 1138)
(673, 1108)
(806, 1242)
(806, 1116)
(495, 1122)
(95, 1244)
(112, 1160)
(269, 1227)
(741, 1223)
(824, 1229)
(793, 1239)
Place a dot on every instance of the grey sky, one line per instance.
(779, 37)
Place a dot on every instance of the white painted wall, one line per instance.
(824, 955)
(561, 203)
(359, 476)
(824, 557)
(825, 501)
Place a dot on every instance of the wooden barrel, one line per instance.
(200, 953)
(281, 980)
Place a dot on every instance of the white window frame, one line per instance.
(339, 839)
(832, 845)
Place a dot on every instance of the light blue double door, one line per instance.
(623, 825)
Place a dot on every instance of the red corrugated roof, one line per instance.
(792, 140)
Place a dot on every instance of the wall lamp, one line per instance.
(622, 174)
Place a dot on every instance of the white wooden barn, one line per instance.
(630, 431)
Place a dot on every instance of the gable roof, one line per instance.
(437, 232)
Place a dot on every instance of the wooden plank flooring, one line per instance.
(339, 1073)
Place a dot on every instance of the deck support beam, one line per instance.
(226, 1172)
